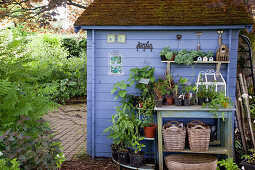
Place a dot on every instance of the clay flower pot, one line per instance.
(170, 100)
(150, 131)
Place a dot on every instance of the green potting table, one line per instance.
(225, 121)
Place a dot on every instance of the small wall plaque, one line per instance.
(111, 38)
(121, 38)
(144, 46)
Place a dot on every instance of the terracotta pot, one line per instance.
(170, 100)
(140, 104)
(150, 132)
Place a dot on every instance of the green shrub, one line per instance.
(9, 165)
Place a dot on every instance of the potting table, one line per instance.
(225, 121)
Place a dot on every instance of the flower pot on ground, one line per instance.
(136, 159)
(249, 160)
(123, 156)
(150, 131)
(115, 148)
(248, 166)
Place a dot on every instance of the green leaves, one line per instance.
(122, 93)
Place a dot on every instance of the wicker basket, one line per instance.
(199, 135)
(191, 162)
(174, 137)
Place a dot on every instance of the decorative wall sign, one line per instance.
(121, 38)
(115, 59)
(144, 46)
(111, 38)
(116, 70)
(115, 63)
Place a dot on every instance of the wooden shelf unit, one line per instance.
(218, 64)
(226, 139)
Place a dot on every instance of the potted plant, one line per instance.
(178, 100)
(190, 89)
(136, 157)
(249, 160)
(164, 52)
(147, 117)
(159, 90)
(183, 57)
(194, 54)
(169, 84)
(209, 55)
(201, 94)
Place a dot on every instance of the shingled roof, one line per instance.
(162, 12)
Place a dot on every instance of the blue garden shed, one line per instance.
(137, 31)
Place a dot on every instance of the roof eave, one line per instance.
(156, 27)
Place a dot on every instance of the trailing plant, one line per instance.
(228, 163)
(136, 144)
(250, 159)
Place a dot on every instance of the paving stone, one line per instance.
(70, 126)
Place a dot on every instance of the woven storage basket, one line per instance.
(191, 162)
(174, 137)
(199, 135)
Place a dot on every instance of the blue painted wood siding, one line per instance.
(104, 101)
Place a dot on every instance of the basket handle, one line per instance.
(171, 122)
(199, 127)
(198, 122)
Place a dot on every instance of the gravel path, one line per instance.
(70, 122)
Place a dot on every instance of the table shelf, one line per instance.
(211, 150)
(218, 64)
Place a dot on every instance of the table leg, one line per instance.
(230, 133)
(160, 147)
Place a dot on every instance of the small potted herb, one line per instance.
(194, 54)
(188, 96)
(209, 55)
(249, 160)
(178, 100)
(201, 94)
(136, 157)
(164, 52)
(169, 84)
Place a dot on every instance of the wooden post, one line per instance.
(240, 116)
(246, 106)
(160, 141)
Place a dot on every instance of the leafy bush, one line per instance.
(23, 101)
(74, 46)
(9, 165)
(33, 152)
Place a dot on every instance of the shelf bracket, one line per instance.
(168, 68)
(218, 65)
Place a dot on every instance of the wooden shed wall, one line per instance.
(104, 101)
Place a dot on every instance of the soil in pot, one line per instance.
(169, 100)
(136, 159)
(115, 149)
(163, 58)
(186, 102)
(248, 166)
(150, 131)
(123, 157)
(178, 101)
